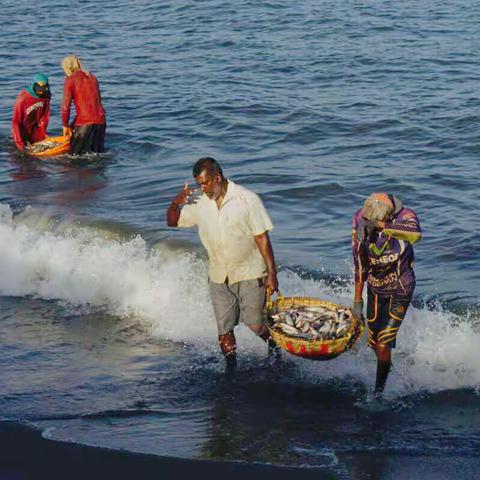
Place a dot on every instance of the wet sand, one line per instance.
(25, 454)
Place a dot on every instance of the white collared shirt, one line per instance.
(228, 232)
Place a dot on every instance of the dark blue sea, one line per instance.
(107, 332)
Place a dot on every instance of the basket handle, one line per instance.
(354, 336)
(269, 301)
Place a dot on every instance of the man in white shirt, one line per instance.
(233, 226)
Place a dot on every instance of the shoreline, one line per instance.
(25, 455)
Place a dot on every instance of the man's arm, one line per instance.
(406, 227)
(17, 120)
(266, 250)
(173, 212)
(360, 266)
(358, 292)
(43, 124)
(66, 103)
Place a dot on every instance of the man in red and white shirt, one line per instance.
(31, 113)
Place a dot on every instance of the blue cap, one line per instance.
(40, 78)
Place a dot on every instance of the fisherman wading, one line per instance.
(382, 242)
(233, 226)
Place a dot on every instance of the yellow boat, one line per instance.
(50, 146)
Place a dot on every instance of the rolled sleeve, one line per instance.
(188, 216)
(258, 217)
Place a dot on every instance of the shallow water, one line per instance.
(108, 336)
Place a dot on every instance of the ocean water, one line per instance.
(108, 337)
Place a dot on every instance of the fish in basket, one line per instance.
(312, 328)
(50, 146)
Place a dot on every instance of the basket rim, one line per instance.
(311, 301)
(305, 341)
(298, 299)
(62, 148)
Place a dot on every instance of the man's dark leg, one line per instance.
(228, 345)
(384, 363)
(273, 349)
(225, 306)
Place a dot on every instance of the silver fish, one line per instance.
(306, 336)
(288, 319)
(299, 323)
(313, 322)
(288, 328)
(305, 328)
(42, 146)
(314, 330)
(319, 309)
(341, 331)
(324, 330)
(276, 317)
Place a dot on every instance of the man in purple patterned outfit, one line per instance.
(382, 244)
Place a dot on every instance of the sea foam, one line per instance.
(167, 290)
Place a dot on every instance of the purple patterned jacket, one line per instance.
(385, 259)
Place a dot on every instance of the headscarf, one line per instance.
(40, 79)
(380, 206)
(72, 63)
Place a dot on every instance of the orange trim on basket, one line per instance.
(324, 349)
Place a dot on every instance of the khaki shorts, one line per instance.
(240, 302)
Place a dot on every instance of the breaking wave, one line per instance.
(166, 289)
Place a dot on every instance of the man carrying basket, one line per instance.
(233, 226)
(382, 244)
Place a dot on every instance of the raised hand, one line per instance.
(183, 197)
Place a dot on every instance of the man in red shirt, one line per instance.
(31, 113)
(81, 87)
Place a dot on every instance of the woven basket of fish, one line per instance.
(50, 146)
(312, 328)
